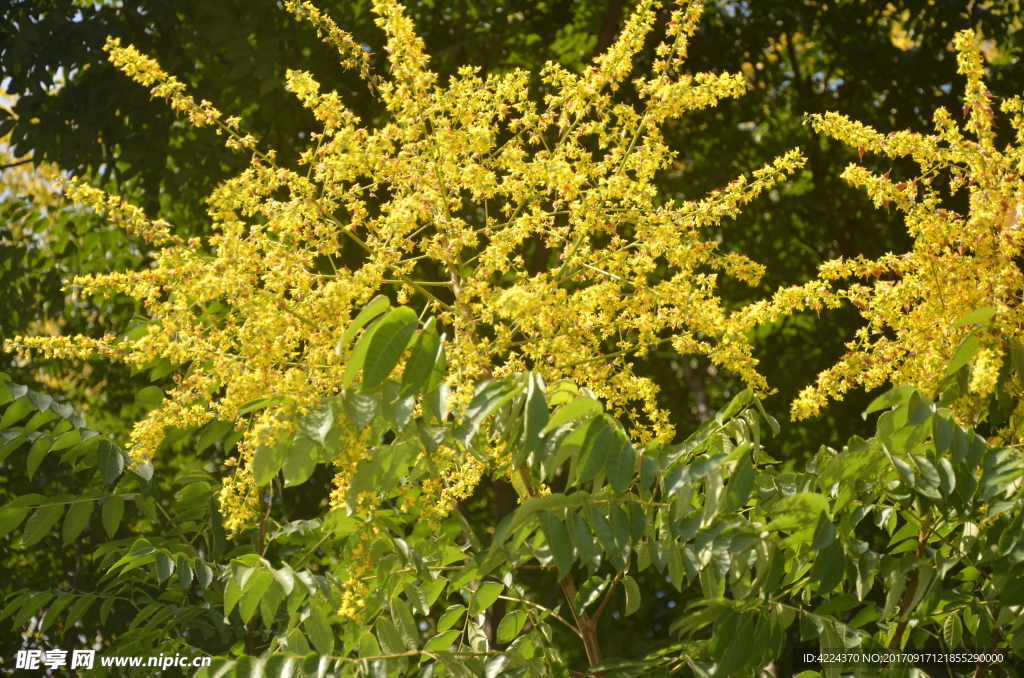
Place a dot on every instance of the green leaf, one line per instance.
(364, 478)
(263, 403)
(151, 397)
(559, 541)
(421, 360)
(391, 640)
(109, 461)
(78, 611)
(184, 572)
(360, 407)
(112, 511)
(450, 618)
(52, 612)
(963, 354)
(280, 666)
(378, 305)
(594, 451)
(213, 432)
(952, 632)
(798, 510)
(741, 483)
(268, 459)
(824, 533)
(40, 448)
(589, 593)
(319, 631)
(76, 520)
(886, 401)
(269, 604)
(485, 596)
(316, 423)
(620, 465)
(10, 518)
(18, 409)
(574, 409)
(300, 462)
(387, 344)
(828, 568)
(204, 573)
(511, 626)
(396, 409)
(405, 623)
(164, 566)
(252, 594)
(487, 397)
(40, 522)
(37, 602)
(417, 598)
(444, 640)
(632, 594)
(979, 316)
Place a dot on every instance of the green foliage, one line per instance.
(910, 538)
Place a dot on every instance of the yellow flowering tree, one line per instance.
(946, 316)
(435, 203)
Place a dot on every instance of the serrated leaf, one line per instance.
(417, 598)
(150, 397)
(442, 641)
(52, 612)
(484, 597)
(263, 403)
(594, 450)
(450, 617)
(632, 594)
(300, 461)
(952, 631)
(252, 594)
(40, 448)
(78, 611)
(359, 407)
(978, 316)
(588, 594)
(10, 518)
(577, 408)
(387, 344)
(184, 572)
(559, 541)
(319, 631)
(421, 360)
(376, 306)
(391, 640)
(109, 461)
(268, 459)
(967, 349)
(164, 566)
(511, 626)
(620, 464)
(40, 522)
(741, 484)
(405, 623)
(76, 520)
(204, 573)
(112, 511)
(269, 604)
(316, 423)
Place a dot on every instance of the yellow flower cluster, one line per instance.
(958, 263)
(533, 229)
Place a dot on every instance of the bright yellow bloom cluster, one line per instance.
(959, 263)
(534, 230)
